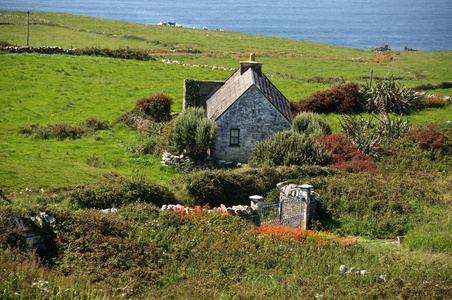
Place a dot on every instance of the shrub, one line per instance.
(367, 205)
(435, 101)
(386, 96)
(116, 194)
(94, 124)
(234, 186)
(310, 124)
(346, 156)
(138, 54)
(342, 98)
(156, 108)
(369, 135)
(193, 133)
(428, 137)
(290, 148)
(63, 130)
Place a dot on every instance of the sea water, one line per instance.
(418, 24)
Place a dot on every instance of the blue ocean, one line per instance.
(418, 24)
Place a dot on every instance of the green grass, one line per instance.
(181, 260)
(54, 89)
(59, 88)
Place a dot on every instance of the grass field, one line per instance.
(52, 89)
(140, 253)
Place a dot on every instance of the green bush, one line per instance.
(193, 134)
(386, 96)
(138, 54)
(370, 135)
(234, 186)
(310, 124)
(383, 206)
(290, 148)
(117, 194)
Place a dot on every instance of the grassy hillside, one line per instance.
(292, 63)
(57, 88)
(141, 252)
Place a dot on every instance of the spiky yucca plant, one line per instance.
(369, 135)
(386, 96)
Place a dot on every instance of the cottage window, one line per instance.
(234, 137)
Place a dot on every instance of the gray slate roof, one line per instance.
(236, 85)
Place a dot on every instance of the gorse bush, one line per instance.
(310, 124)
(346, 156)
(342, 98)
(63, 130)
(386, 96)
(290, 148)
(193, 133)
(370, 135)
(156, 108)
(117, 194)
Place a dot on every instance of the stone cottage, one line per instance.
(247, 108)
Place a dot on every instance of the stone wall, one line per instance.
(255, 117)
(245, 212)
(42, 50)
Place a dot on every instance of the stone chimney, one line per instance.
(245, 65)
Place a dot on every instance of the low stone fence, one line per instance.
(42, 50)
(246, 212)
(169, 159)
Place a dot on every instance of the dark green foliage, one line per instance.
(310, 124)
(387, 96)
(324, 80)
(99, 245)
(139, 54)
(426, 87)
(117, 194)
(63, 130)
(370, 135)
(192, 99)
(94, 124)
(4, 44)
(193, 133)
(375, 206)
(290, 148)
(232, 187)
